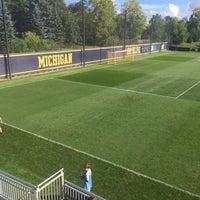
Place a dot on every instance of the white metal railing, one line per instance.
(71, 192)
(12, 188)
(74, 192)
(53, 188)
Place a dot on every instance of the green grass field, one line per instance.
(136, 122)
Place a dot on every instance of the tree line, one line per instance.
(35, 25)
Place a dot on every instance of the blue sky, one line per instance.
(174, 8)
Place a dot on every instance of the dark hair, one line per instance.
(87, 165)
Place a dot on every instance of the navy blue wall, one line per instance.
(30, 63)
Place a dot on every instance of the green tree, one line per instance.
(156, 28)
(20, 15)
(135, 19)
(46, 18)
(175, 30)
(72, 29)
(170, 25)
(60, 12)
(61, 8)
(37, 25)
(194, 26)
(101, 21)
(10, 29)
(181, 34)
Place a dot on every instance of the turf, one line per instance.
(131, 114)
(104, 77)
(39, 159)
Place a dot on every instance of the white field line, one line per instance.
(187, 90)
(107, 161)
(115, 88)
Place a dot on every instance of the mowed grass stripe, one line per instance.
(105, 161)
(115, 88)
(159, 77)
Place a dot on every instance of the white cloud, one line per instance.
(153, 9)
(172, 11)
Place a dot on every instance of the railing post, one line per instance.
(62, 183)
(1, 191)
(37, 193)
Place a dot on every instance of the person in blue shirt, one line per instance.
(1, 132)
(87, 177)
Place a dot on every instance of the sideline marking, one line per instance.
(115, 88)
(106, 161)
(184, 92)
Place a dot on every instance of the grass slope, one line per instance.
(39, 159)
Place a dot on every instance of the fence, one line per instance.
(12, 188)
(72, 191)
(53, 188)
(31, 63)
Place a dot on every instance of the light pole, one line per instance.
(125, 27)
(83, 29)
(7, 60)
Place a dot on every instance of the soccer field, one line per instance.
(137, 123)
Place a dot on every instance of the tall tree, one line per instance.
(46, 21)
(101, 21)
(194, 26)
(120, 26)
(10, 29)
(182, 33)
(37, 25)
(135, 19)
(74, 26)
(43, 17)
(72, 29)
(170, 28)
(156, 28)
(176, 30)
(20, 15)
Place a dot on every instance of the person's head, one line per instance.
(87, 166)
